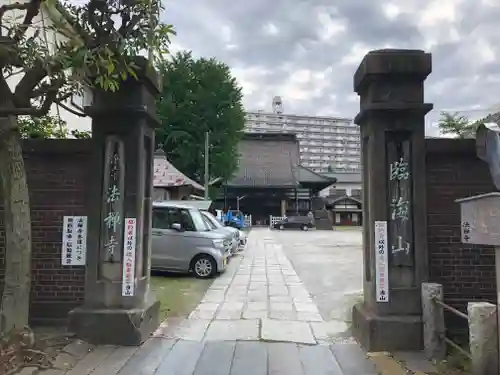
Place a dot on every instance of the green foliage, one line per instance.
(105, 54)
(97, 45)
(42, 127)
(457, 125)
(81, 134)
(200, 95)
(47, 127)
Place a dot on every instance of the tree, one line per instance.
(199, 96)
(96, 45)
(458, 125)
(42, 127)
(47, 127)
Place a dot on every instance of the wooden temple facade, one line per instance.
(270, 180)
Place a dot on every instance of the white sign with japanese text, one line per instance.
(74, 241)
(129, 244)
(381, 262)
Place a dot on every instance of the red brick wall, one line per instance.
(57, 173)
(467, 272)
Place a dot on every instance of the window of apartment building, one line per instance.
(356, 193)
(338, 192)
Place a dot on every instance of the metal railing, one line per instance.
(458, 313)
(274, 219)
(248, 221)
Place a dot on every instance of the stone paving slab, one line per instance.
(257, 318)
(287, 331)
(260, 297)
(162, 356)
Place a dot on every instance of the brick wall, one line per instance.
(467, 272)
(57, 173)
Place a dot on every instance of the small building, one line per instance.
(171, 184)
(270, 180)
(350, 183)
(346, 210)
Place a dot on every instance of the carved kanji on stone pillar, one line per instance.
(390, 84)
(119, 307)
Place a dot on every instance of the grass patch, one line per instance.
(455, 364)
(178, 294)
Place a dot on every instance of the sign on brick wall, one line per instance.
(74, 241)
(480, 219)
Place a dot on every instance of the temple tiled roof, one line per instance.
(267, 160)
(272, 160)
(303, 174)
(354, 177)
(166, 175)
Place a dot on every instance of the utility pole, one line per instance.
(207, 174)
(238, 199)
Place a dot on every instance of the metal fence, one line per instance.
(274, 219)
(443, 336)
(481, 318)
(248, 221)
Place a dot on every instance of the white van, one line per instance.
(183, 242)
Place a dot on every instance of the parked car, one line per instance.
(234, 218)
(217, 225)
(183, 242)
(295, 222)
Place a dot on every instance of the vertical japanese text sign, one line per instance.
(129, 244)
(381, 262)
(112, 203)
(74, 241)
(400, 198)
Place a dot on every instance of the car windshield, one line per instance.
(199, 223)
(212, 219)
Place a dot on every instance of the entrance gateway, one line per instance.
(390, 84)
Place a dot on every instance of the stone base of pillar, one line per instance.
(386, 333)
(127, 327)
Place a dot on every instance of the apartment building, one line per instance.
(327, 144)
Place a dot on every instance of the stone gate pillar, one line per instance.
(390, 84)
(119, 307)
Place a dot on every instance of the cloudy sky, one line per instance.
(306, 51)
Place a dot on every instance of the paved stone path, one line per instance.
(257, 318)
(329, 263)
(161, 356)
(261, 299)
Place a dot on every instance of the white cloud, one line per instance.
(330, 27)
(308, 51)
(271, 29)
(391, 10)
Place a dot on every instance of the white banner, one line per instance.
(381, 262)
(74, 241)
(129, 244)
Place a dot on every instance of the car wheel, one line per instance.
(204, 266)
(305, 227)
(282, 227)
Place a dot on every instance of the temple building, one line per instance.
(271, 181)
(171, 184)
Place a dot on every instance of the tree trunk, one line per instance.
(14, 309)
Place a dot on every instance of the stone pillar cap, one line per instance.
(413, 63)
